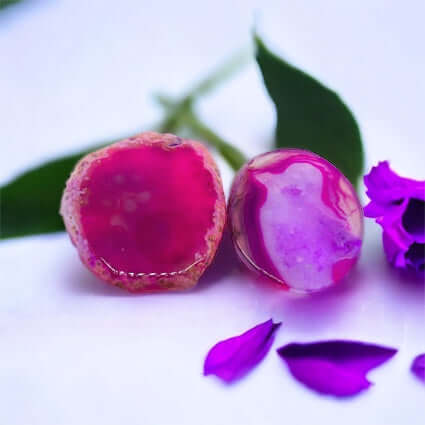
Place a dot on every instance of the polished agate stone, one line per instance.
(295, 219)
(146, 213)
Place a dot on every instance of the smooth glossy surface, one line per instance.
(295, 219)
(146, 213)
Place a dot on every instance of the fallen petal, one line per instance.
(234, 357)
(334, 367)
(418, 367)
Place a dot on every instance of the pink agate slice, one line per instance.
(295, 219)
(146, 213)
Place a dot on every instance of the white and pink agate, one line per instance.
(295, 219)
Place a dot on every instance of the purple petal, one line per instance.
(335, 367)
(385, 186)
(234, 357)
(418, 367)
(398, 204)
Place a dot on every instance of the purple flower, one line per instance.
(336, 367)
(398, 204)
(234, 357)
(418, 367)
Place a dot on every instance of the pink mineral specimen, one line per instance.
(295, 219)
(146, 213)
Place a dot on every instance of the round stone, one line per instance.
(146, 213)
(295, 219)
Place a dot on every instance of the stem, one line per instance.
(173, 118)
(181, 113)
(187, 117)
(233, 156)
(176, 109)
(227, 70)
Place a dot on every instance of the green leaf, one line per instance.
(4, 3)
(311, 116)
(29, 204)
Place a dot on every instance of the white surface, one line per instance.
(74, 351)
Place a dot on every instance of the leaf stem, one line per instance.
(186, 117)
(223, 72)
(233, 156)
(181, 113)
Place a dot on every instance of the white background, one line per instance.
(75, 351)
